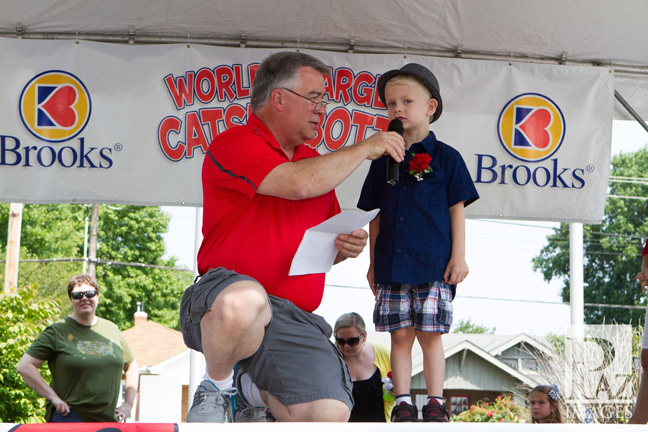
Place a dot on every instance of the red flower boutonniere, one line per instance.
(419, 165)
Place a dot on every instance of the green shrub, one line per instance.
(23, 318)
(503, 410)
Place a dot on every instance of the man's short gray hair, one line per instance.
(280, 70)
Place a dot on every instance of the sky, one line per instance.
(502, 292)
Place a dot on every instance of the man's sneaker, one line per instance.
(250, 415)
(243, 411)
(210, 405)
(404, 412)
(435, 413)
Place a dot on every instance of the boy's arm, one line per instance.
(457, 269)
(374, 229)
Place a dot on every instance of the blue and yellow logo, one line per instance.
(531, 127)
(55, 106)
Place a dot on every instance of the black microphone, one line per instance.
(392, 166)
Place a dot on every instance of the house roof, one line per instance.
(467, 345)
(153, 343)
(493, 344)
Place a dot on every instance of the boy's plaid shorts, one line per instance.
(427, 307)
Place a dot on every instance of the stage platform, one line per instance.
(315, 427)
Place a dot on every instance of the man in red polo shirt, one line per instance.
(262, 189)
(253, 233)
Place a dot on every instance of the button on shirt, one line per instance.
(414, 242)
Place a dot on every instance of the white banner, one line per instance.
(93, 122)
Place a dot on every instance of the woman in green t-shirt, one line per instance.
(86, 356)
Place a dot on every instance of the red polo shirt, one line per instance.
(252, 234)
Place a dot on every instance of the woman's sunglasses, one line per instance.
(79, 294)
(351, 341)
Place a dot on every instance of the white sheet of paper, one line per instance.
(317, 252)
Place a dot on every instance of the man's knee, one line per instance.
(343, 413)
(242, 301)
(340, 413)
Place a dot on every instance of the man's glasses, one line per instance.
(79, 294)
(351, 341)
(319, 105)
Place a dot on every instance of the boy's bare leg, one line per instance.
(402, 341)
(433, 361)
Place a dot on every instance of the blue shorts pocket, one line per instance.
(444, 312)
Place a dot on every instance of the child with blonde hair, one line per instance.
(543, 404)
(418, 240)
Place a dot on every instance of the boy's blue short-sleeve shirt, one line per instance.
(414, 242)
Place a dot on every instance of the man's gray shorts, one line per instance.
(296, 361)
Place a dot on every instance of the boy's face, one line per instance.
(411, 103)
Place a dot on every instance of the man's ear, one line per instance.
(278, 99)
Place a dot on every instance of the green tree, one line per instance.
(612, 249)
(126, 234)
(467, 326)
(24, 316)
(47, 232)
(134, 234)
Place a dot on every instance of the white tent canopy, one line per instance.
(595, 32)
(576, 32)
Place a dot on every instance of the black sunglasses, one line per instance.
(79, 294)
(351, 341)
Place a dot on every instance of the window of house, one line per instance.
(459, 404)
(510, 362)
(530, 364)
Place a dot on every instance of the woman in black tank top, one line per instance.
(368, 364)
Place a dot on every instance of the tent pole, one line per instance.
(576, 295)
(632, 112)
(131, 38)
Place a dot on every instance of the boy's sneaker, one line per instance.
(404, 412)
(435, 413)
(210, 405)
(243, 411)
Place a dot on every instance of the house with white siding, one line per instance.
(163, 360)
(478, 367)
